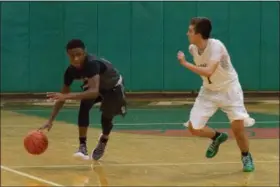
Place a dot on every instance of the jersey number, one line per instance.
(209, 81)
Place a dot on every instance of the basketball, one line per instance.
(36, 142)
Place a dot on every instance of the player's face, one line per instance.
(192, 36)
(77, 57)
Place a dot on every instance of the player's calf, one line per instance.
(217, 138)
(107, 126)
(243, 144)
(238, 129)
(201, 132)
(83, 123)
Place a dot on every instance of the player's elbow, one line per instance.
(65, 89)
(94, 92)
(208, 73)
(211, 69)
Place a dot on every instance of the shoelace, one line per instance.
(83, 149)
(213, 145)
(247, 160)
(100, 148)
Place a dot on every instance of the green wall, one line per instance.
(140, 38)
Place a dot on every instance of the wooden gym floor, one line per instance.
(150, 147)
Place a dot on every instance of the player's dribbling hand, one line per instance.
(181, 56)
(46, 126)
(56, 96)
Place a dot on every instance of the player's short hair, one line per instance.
(202, 26)
(75, 43)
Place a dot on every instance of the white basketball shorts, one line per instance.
(230, 101)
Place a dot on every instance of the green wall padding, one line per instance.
(270, 46)
(244, 44)
(114, 36)
(15, 53)
(46, 46)
(176, 19)
(146, 46)
(141, 38)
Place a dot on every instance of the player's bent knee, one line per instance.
(237, 126)
(193, 131)
(238, 129)
(246, 120)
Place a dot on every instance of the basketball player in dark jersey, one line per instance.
(101, 83)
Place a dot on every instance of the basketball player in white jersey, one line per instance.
(220, 89)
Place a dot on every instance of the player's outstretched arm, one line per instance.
(57, 106)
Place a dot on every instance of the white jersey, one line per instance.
(225, 74)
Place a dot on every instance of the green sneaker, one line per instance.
(248, 164)
(213, 148)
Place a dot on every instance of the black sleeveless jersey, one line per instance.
(109, 76)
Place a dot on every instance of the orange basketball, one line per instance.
(36, 142)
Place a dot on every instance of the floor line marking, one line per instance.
(177, 123)
(171, 123)
(182, 107)
(140, 164)
(29, 176)
(74, 109)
